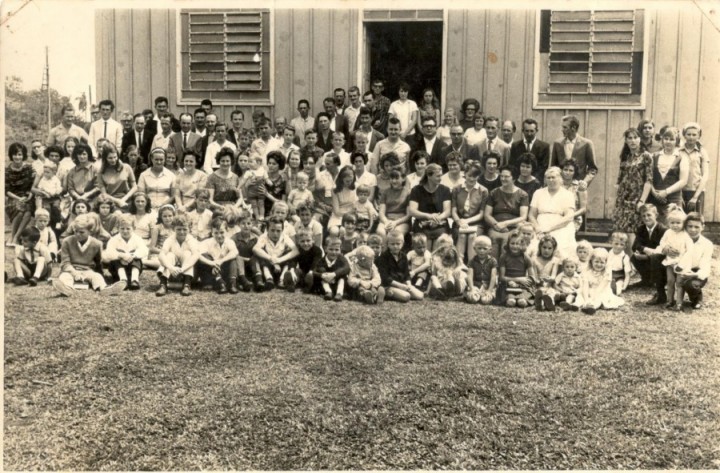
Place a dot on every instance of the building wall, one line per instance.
(490, 55)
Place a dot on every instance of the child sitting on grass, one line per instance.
(329, 274)
(546, 268)
(619, 263)
(394, 269)
(161, 231)
(420, 260)
(376, 242)
(364, 278)
(47, 236)
(81, 256)
(272, 251)
(32, 259)
(177, 258)
(693, 268)
(583, 251)
(217, 261)
(201, 217)
(515, 271)
(567, 284)
(595, 292)
(125, 252)
(482, 273)
(308, 256)
(245, 240)
(448, 277)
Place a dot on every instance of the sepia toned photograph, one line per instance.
(360, 235)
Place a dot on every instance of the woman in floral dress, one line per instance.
(633, 185)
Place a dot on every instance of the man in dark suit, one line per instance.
(364, 119)
(492, 142)
(185, 139)
(576, 147)
(430, 143)
(161, 108)
(140, 136)
(457, 143)
(202, 144)
(338, 122)
(237, 119)
(530, 144)
(649, 264)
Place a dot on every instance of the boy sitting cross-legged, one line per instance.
(81, 257)
(394, 270)
(273, 251)
(308, 256)
(217, 261)
(364, 278)
(330, 272)
(177, 257)
(32, 259)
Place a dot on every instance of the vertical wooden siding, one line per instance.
(490, 56)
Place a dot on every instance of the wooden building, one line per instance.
(611, 68)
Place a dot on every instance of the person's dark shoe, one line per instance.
(245, 283)
(657, 299)
(185, 290)
(588, 310)
(162, 291)
(269, 285)
(338, 297)
(222, 288)
(670, 305)
(233, 289)
(549, 303)
(638, 285)
(134, 286)
(33, 281)
(328, 296)
(18, 281)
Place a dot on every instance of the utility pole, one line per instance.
(46, 87)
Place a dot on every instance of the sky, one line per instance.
(66, 27)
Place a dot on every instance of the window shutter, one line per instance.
(591, 52)
(222, 46)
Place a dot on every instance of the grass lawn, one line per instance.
(279, 381)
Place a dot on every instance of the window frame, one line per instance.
(584, 105)
(191, 101)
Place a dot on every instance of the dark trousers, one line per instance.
(204, 272)
(114, 266)
(28, 270)
(693, 288)
(651, 270)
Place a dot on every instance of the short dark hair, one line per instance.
(527, 158)
(303, 101)
(161, 99)
(53, 149)
(237, 112)
(694, 217)
(200, 110)
(31, 233)
(355, 154)
(491, 153)
(107, 102)
(278, 157)
(573, 121)
(18, 147)
(67, 107)
(206, 102)
(531, 121)
(224, 151)
(393, 121)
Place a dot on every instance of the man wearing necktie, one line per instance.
(491, 143)
(531, 144)
(106, 127)
(139, 137)
(574, 146)
(184, 139)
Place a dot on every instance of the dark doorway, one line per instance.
(406, 52)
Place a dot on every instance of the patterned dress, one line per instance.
(226, 188)
(634, 173)
(19, 182)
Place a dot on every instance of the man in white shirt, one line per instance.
(161, 109)
(302, 123)
(694, 266)
(351, 111)
(106, 127)
(372, 136)
(200, 116)
(391, 143)
(213, 148)
(430, 144)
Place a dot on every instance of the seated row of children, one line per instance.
(232, 255)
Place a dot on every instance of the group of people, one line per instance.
(371, 198)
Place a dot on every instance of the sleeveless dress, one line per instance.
(634, 173)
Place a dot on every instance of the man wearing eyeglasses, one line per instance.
(430, 143)
(457, 143)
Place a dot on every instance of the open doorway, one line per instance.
(406, 52)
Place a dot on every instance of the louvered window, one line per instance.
(225, 54)
(591, 57)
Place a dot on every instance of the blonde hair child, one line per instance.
(619, 263)
(674, 243)
(482, 273)
(595, 291)
(125, 252)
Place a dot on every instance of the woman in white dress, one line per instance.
(552, 211)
